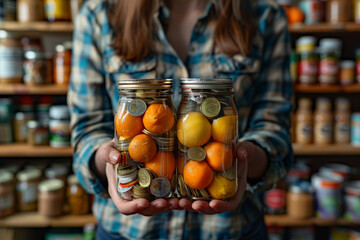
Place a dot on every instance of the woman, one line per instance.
(172, 39)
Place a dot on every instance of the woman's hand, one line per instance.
(106, 157)
(246, 152)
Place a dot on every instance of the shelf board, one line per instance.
(46, 27)
(22, 89)
(324, 28)
(316, 88)
(318, 150)
(286, 221)
(33, 219)
(24, 150)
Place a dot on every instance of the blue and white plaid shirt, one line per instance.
(263, 99)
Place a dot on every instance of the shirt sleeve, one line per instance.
(89, 104)
(270, 115)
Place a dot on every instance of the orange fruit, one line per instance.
(294, 15)
(221, 187)
(193, 129)
(198, 175)
(142, 148)
(224, 129)
(219, 156)
(163, 165)
(158, 118)
(127, 126)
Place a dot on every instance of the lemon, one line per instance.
(224, 129)
(193, 130)
(221, 187)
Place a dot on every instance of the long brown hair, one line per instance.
(134, 25)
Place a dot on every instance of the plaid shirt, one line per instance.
(263, 98)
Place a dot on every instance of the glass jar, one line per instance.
(313, 10)
(347, 72)
(77, 197)
(338, 11)
(342, 121)
(27, 189)
(275, 199)
(323, 122)
(38, 134)
(6, 115)
(307, 60)
(51, 197)
(20, 125)
(62, 65)
(300, 201)
(30, 10)
(304, 122)
(330, 51)
(7, 193)
(35, 68)
(145, 136)
(59, 126)
(57, 10)
(207, 132)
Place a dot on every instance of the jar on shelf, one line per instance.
(21, 127)
(7, 193)
(26, 104)
(347, 72)
(57, 10)
(51, 197)
(10, 58)
(30, 10)
(59, 126)
(275, 199)
(338, 11)
(330, 52)
(145, 136)
(77, 197)
(57, 172)
(35, 72)
(38, 134)
(342, 121)
(304, 122)
(207, 132)
(308, 60)
(62, 65)
(352, 199)
(6, 119)
(8, 10)
(27, 189)
(323, 122)
(313, 9)
(355, 129)
(300, 201)
(43, 109)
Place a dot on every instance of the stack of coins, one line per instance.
(126, 179)
(142, 192)
(123, 145)
(165, 144)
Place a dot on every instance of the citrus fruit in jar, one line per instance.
(163, 165)
(158, 118)
(223, 129)
(198, 175)
(142, 148)
(127, 126)
(193, 130)
(221, 187)
(219, 156)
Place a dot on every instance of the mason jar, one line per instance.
(207, 132)
(144, 121)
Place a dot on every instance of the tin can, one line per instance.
(145, 124)
(355, 129)
(207, 131)
(308, 67)
(313, 10)
(352, 200)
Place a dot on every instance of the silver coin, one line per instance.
(196, 153)
(160, 187)
(137, 107)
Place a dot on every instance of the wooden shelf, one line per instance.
(286, 221)
(33, 219)
(324, 28)
(348, 150)
(354, 88)
(24, 150)
(46, 27)
(18, 89)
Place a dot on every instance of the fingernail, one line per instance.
(114, 156)
(141, 205)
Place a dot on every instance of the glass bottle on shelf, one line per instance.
(323, 122)
(342, 121)
(304, 122)
(275, 199)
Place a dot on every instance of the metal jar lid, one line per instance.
(50, 185)
(206, 83)
(134, 84)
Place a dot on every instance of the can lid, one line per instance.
(59, 48)
(347, 64)
(33, 124)
(305, 44)
(59, 112)
(5, 176)
(134, 84)
(72, 179)
(28, 174)
(34, 55)
(330, 44)
(50, 185)
(206, 83)
(54, 172)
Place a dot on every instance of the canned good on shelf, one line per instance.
(145, 136)
(207, 133)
